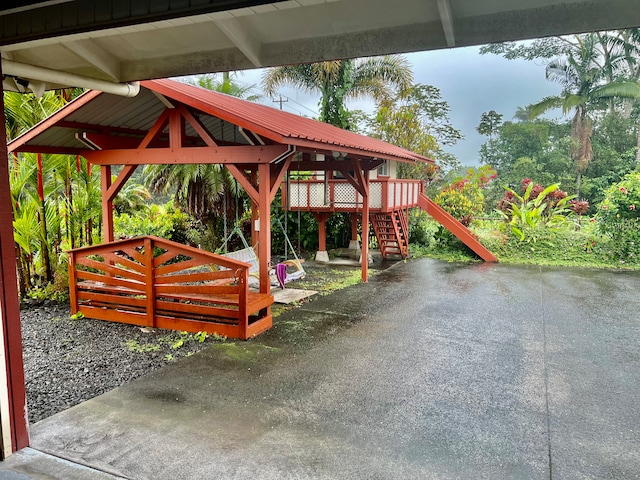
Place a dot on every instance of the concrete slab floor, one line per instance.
(429, 371)
(30, 464)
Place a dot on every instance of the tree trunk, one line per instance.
(22, 283)
(42, 211)
(578, 184)
(638, 144)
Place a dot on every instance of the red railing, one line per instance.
(153, 282)
(385, 195)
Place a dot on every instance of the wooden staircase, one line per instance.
(455, 227)
(392, 232)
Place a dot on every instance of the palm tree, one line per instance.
(586, 88)
(339, 80)
(227, 86)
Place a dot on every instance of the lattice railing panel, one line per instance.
(375, 195)
(298, 194)
(317, 195)
(345, 195)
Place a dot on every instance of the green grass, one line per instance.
(571, 245)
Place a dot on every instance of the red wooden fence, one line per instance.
(153, 282)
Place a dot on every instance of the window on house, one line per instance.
(383, 170)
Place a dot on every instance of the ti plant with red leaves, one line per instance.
(536, 207)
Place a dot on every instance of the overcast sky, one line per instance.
(469, 82)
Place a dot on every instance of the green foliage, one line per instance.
(137, 347)
(563, 245)
(417, 119)
(50, 291)
(339, 80)
(489, 123)
(537, 207)
(173, 344)
(422, 228)
(464, 198)
(161, 221)
(463, 202)
(619, 218)
(621, 202)
(624, 242)
(226, 83)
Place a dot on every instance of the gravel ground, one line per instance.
(68, 361)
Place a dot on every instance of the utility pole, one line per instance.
(280, 101)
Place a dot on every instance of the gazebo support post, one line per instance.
(255, 236)
(354, 244)
(264, 207)
(365, 226)
(107, 203)
(322, 255)
(14, 433)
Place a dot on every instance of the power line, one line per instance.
(303, 106)
(281, 101)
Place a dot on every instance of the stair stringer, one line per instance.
(454, 226)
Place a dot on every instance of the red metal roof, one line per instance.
(282, 127)
(55, 135)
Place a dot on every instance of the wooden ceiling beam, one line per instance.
(189, 155)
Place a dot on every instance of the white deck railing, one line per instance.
(340, 195)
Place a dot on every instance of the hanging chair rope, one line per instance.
(236, 230)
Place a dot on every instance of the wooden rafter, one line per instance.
(157, 127)
(197, 125)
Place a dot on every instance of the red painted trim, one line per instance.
(122, 178)
(154, 156)
(40, 181)
(107, 204)
(365, 225)
(245, 181)
(10, 307)
(455, 227)
(197, 125)
(263, 120)
(264, 209)
(52, 120)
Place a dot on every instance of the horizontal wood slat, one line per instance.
(113, 315)
(124, 262)
(114, 299)
(111, 269)
(201, 310)
(177, 267)
(134, 253)
(110, 280)
(195, 277)
(194, 294)
(189, 290)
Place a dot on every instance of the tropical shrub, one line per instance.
(422, 228)
(463, 198)
(619, 218)
(161, 221)
(536, 207)
(621, 202)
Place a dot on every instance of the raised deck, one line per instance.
(149, 281)
(338, 195)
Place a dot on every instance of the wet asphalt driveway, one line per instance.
(430, 371)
